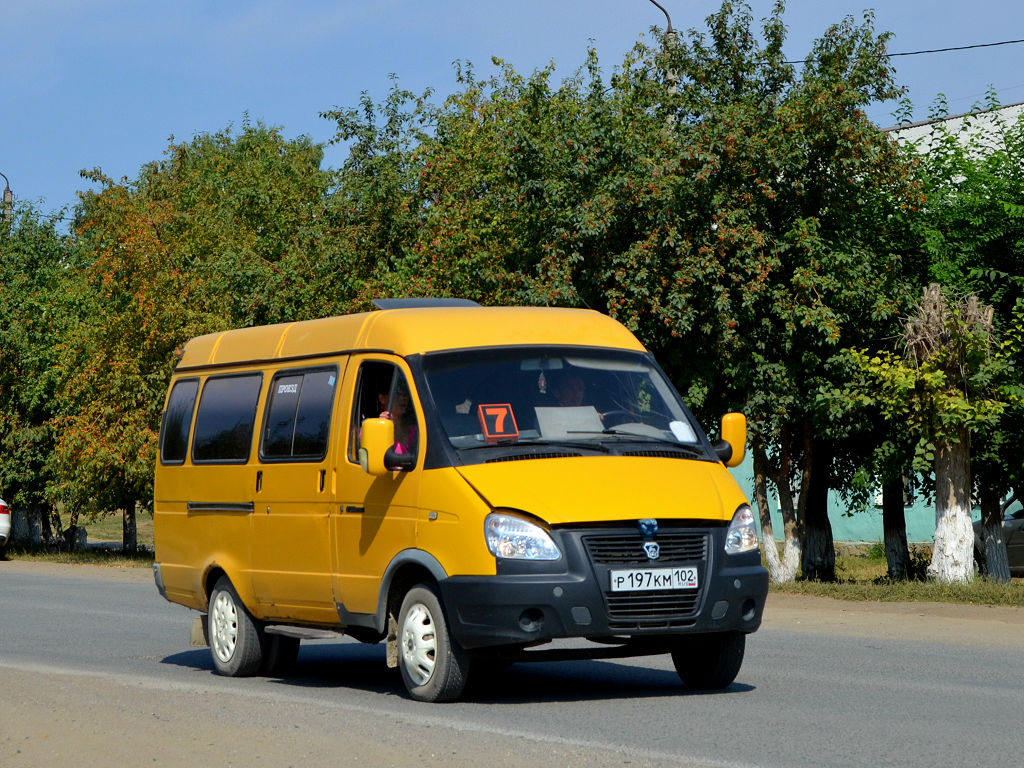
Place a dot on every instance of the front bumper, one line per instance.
(530, 603)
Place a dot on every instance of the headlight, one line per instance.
(518, 539)
(742, 534)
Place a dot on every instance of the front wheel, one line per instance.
(434, 666)
(709, 662)
(237, 642)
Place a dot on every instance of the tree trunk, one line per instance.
(952, 556)
(35, 526)
(45, 529)
(129, 532)
(819, 550)
(771, 552)
(779, 570)
(894, 530)
(997, 565)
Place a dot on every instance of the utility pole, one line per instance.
(7, 208)
(668, 41)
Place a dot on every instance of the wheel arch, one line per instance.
(217, 567)
(408, 568)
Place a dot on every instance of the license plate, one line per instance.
(648, 579)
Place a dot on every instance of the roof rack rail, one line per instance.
(423, 302)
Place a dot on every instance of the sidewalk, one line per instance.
(980, 626)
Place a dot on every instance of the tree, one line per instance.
(227, 231)
(745, 222)
(973, 232)
(943, 391)
(35, 308)
(797, 250)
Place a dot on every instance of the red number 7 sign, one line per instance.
(497, 422)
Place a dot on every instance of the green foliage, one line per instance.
(973, 233)
(36, 306)
(226, 231)
(933, 397)
(746, 224)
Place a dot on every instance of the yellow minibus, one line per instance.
(466, 484)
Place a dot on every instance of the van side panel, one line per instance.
(451, 524)
(291, 551)
(197, 525)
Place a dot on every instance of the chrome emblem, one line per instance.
(652, 549)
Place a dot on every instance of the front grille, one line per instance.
(654, 610)
(651, 609)
(628, 549)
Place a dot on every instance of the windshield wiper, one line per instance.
(611, 431)
(533, 441)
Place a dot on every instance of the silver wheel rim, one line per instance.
(224, 626)
(419, 644)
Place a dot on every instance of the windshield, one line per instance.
(509, 396)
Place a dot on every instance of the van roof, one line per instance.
(410, 331)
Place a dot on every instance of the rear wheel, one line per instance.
(709, 662)
(237, 641)
(434, 666)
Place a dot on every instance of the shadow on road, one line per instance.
(362, 667)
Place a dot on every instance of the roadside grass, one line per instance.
(861, 575)
(109, 528)
(104, 537)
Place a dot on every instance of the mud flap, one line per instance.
(199, 636)
(392, 641)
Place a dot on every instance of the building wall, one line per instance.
(848, 525)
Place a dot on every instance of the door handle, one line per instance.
(259, 480)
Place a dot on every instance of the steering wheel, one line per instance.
(619, 416)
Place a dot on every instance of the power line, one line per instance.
(955, 48)
(935, 50)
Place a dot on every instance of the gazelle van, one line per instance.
(462, 483)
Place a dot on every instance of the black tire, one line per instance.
(434, 666)
(709, 662)
(280, 655)
(237, 642)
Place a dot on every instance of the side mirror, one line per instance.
(377, 455)
(730, 449)
(400, 461)
(376, 438)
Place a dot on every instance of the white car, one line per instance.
(5, 526)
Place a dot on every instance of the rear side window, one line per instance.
(298, 420)
(224, 421)
(178, 421)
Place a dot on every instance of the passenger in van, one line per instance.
(569, 390)
(402, 413)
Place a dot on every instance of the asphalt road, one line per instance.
(96, 670)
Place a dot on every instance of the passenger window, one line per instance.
(224, 421)
(178, 421)
(383, 391)
(298, 418)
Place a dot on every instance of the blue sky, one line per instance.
(105, 83)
